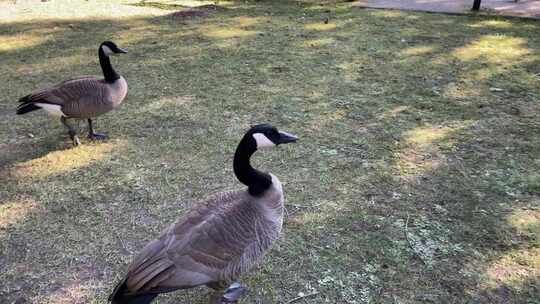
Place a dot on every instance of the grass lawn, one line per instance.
(416, 179)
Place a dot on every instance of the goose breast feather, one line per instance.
(217, 241)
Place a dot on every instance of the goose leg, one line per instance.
(229, 295)
(94, 135)
(71, 131)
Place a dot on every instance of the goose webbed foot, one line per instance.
(97, 136)
(76, 140)
(93, 135)
(230, 295)
(234, 293)
(71, 131)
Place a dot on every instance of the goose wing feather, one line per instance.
(218, 240)
(84, 96)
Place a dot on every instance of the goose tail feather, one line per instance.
(118, 296)
(26, 106)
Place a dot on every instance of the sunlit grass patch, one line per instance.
(320, 26)
(417, 51)
(75, 293)
(389, 14)
(394, 112)
(14, 211)
(11, 43)
(168, 104)
(226, 32)
(422, 137)
(319, 42)
(502, 24)
(515, 268)
(65, 161)
(237, 28)
(527, 223)
(246, 21)
(413, 162)
(496, 49)
(423, 149)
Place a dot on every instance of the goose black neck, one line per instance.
(257, 181)
(108, 71)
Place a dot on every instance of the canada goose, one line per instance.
(82, 97)
(221, 238)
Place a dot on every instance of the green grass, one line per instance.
(415, 180)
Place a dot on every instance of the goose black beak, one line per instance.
(121, 51)
(285, 138)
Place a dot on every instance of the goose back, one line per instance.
(216, 242)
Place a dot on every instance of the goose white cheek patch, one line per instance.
(107, 50)
(262, 141)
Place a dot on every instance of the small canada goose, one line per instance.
(82, 97)
(221, 238)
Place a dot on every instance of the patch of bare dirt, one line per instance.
(211, 7)
(199, 11)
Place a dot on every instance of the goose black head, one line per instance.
(266, 136)
(110, 48)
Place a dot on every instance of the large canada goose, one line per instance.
(82, 97)
(218, 240)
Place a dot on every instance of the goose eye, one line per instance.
(273, 134)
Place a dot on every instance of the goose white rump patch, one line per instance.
(54, 110)
(262, 140)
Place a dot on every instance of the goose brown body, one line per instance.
(82, 97)
(216, 242)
